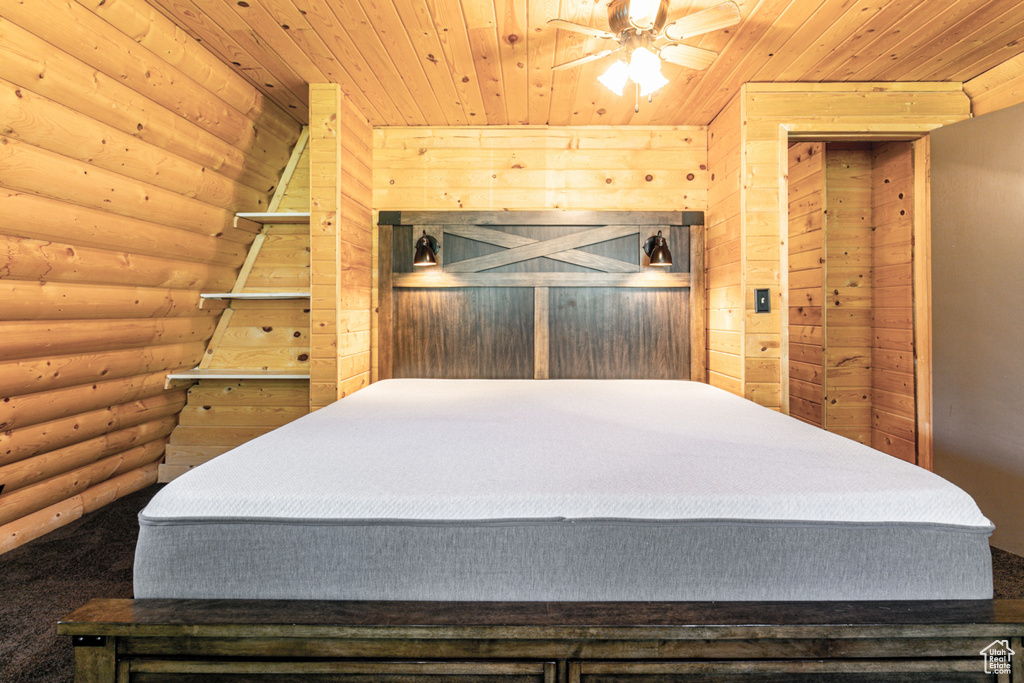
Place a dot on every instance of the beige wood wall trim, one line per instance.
(998, 88)
(923, 301)
(769, 114)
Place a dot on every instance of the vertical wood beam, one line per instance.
(922, 260)
(541, 334)
(324, 202)
(698, 307)
(384, 299)
(340, 150)
(96, 663)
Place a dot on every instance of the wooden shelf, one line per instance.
(255, 295)
(232, 373)
(276, 218)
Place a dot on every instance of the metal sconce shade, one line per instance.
(657, 249)
(426, 251)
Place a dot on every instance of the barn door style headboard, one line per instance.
(541, 294)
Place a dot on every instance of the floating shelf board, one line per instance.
(279, 217)
(255, 295)
(232, 373)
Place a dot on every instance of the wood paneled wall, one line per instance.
(340, 149)
(723, 250)
(118, 194)
(770, 115)
(658, 168)
(848, 302)
(536, 167)
(806, 281)
(892, 370)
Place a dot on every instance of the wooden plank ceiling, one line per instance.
(477, 62)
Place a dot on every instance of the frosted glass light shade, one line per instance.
(615, 77)
(645, 71)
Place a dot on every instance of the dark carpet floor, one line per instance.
(46, 579)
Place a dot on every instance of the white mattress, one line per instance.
(558, 450)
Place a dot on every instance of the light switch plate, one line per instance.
(762, 301)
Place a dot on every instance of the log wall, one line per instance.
(126, 149)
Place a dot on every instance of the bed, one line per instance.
(561, 490)
(541, 487)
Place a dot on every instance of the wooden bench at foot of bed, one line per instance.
(264, 640)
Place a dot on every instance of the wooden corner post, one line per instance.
(324, 200)
(340, 147)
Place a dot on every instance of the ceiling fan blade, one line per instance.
(720, 16)
(583, 60)
(688, 56)
(580, 28)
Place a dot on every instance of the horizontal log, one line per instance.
(33, 526)
(54, 220)
(26, 259)
(34, 64)
(30, 409)
(26, 442)
(42, 122)
(143, 23)
(45, 465)
(46, 520)
(28, 168)
(38, 338)
(56, 372)
(71, 28)
(64, 301)
(97, 496)
(32, 498)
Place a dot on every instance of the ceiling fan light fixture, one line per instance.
(645, 71)
(644, 13)
(615, 77)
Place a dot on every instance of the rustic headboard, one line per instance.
(541, 294)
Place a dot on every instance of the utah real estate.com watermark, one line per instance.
(997, 657)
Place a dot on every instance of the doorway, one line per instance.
(853, 342)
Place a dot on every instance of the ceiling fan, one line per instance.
(645, 34)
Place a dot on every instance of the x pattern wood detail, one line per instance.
(562, 248)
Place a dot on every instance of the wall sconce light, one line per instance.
(657, 249)
(426, 251)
